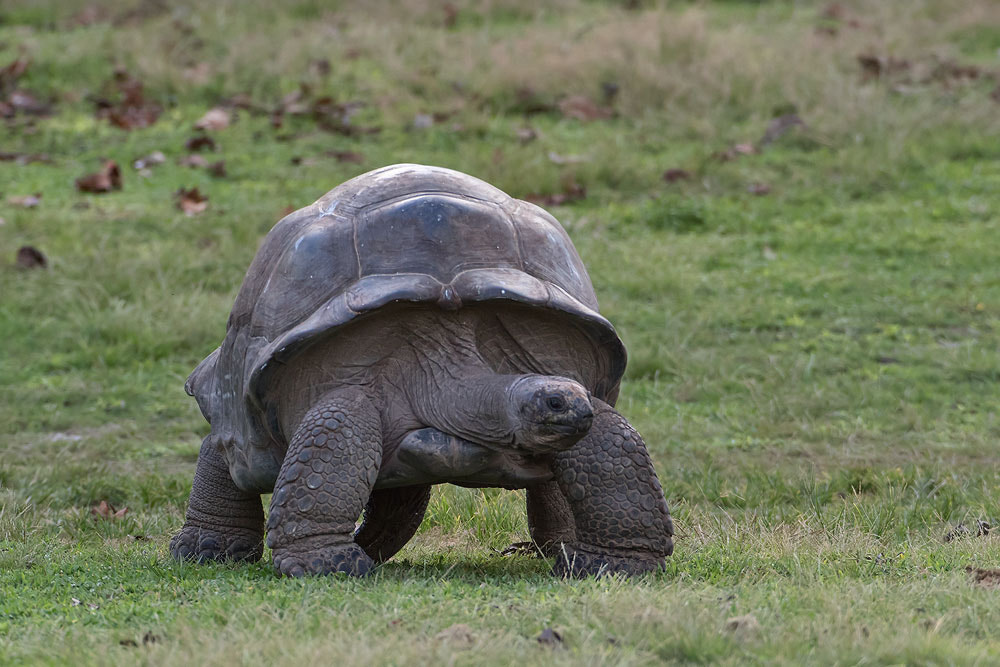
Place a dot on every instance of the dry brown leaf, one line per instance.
(572, 192)
(735, 151)
(526, 134)
(582, 108)
(460, 633)
(985, 577)
(107, 179)
(742, 624)
(192, 202)
(759, 189)
(346, 156)
(217, 169)
(9, 74)
(132, 111)
(674, 175)
(200, 143)
(25, 201)
(214, 119)
(29, 257)
(105, 510)
(779, 126)
(151, 160)
(193, 161)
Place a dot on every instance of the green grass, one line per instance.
(815, 370)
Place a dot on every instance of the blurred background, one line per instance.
(788, 208)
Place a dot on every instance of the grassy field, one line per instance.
(811, 306)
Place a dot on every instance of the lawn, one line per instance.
(789, 209)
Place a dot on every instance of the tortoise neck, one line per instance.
(454, 389)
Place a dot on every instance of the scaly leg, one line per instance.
(327, 477)
(222, 522)
(392, 516)
(621, 517)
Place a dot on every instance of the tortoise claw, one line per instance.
(202, 545)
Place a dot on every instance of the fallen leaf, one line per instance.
(105, 510)
(192, 202)
(346, 156)
(214, 119)
(769, 253)
(74, 602)
(130, 643)
(460, 633)
(572, 192)
(9, 74)
(674, 175)
(200, 143)
(742, 624)
(25, 201)
(583, 109)
(526, 134)
(320, 67)
(422, 121)
(29, 257)
(107, 179)
(193, 161)
(961, 530)
(759, 189)
(25, 102)
(736, 151)
(217, 169)
(549, 637)
(779, 126)
(151, 160)
(984, 577)
(131, 111)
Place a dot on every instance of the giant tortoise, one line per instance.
(417, 326)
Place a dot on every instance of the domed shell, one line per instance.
(403, 233)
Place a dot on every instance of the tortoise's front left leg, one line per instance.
(328, 474)
(619, 512)
(223, 522)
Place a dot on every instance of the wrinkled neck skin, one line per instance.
(450, 387)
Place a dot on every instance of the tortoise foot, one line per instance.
(578, 563)
(347, 559)
(203, 545)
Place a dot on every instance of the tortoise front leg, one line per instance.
(621, 517)
(222, 522)
(327, 476)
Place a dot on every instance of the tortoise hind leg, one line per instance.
(392, 516)
(326, 479)
(223, 522)
(621, 517)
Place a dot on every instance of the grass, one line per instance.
(815, 369)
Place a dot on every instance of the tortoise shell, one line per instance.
(403, 233)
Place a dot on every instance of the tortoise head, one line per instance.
(550, 413)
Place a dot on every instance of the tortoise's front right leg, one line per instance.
(324, 483)
(619, 513)
(223, 522)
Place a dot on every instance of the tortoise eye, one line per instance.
(556, 403)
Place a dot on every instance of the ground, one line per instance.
(788, 209)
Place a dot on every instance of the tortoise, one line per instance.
(417, 326)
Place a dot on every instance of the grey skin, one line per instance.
(416, 326)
